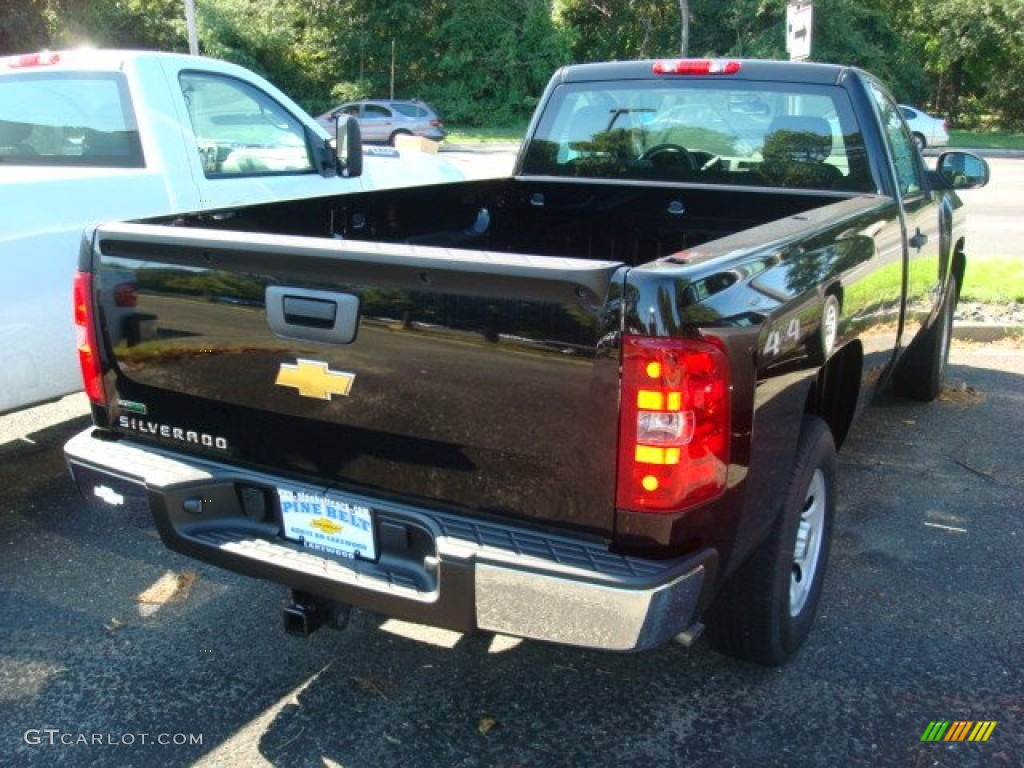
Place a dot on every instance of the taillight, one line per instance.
(85, 337)
(41, 59)
(673, 423)
(696, 67)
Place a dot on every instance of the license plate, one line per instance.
(328, 524)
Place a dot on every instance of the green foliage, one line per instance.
(503, 54)
(600, 30)
(482, 62)
(349, 91)
(23, 26)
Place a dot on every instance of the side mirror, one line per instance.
(962, 170)
(348, 146)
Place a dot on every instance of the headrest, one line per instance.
(798, 138)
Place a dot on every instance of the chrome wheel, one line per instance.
(807, 547)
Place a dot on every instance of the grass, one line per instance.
(994, 280)
(986, 139)
(507, 133)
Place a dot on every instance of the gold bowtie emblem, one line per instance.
(314, 379)
(326, 526)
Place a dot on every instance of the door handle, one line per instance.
(307, 315)
(918, 240)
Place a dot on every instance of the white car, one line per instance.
(928, 131)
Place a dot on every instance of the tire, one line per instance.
(766, 610)
(919, 142)
(921, 373)
(394, 136)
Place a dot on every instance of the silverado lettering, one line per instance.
(599, 401)
(172, 433)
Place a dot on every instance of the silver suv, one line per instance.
(381, 120)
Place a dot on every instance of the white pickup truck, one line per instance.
(94, 135)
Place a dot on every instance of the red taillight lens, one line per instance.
(41, 59)
(673, 423)
(85, 335)
(696, 67)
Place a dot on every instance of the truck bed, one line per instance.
(629, 222)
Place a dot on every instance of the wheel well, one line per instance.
(836, 391)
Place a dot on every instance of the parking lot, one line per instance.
(117, 652)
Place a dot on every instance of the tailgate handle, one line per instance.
(313, 313)
(308, 315)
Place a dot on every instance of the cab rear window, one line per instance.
(68, 119)
(711, 131)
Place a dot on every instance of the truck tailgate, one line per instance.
(471, 381)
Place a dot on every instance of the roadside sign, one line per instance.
(799, 21)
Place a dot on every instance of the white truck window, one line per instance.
(68, 119)
(240, 130)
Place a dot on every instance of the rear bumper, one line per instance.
(433, 567)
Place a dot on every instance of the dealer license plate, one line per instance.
(328, 524)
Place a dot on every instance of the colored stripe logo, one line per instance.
(958, 730)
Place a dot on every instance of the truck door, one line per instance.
(926, 267)
(248, 147)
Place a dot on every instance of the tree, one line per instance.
(973, 53)
(23, 26)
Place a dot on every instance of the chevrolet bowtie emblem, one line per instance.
(326, 526)
(314, 379)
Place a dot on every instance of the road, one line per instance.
(995, 226)
(110, 644)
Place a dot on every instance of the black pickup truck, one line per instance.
(596, 403)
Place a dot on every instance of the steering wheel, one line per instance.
(706, 161)
(673, 154)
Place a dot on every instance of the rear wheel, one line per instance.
(394, 136)
(921, 373)
(766, 610)
(919, 142)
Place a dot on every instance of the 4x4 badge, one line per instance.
(315, 379)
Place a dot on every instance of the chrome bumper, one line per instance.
(433, 568)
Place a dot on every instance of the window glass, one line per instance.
(410, 110)
(68, 119)
(376, 112)
(764, 134)
(904, 154)
(240, 130)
